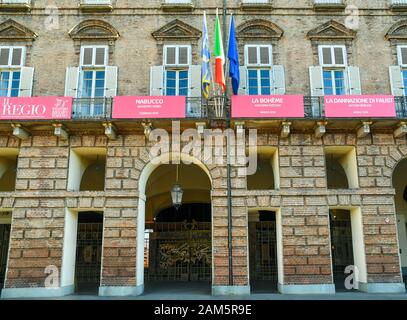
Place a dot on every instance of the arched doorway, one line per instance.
(177, 243)
(400, 186)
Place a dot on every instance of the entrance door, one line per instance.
(341, 245)
(179, 250)
(263, 252)
(4, 243)
(89, 252)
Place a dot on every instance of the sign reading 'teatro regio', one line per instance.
(162, 107)
(36, 108)
(373, 106)
(276, 106)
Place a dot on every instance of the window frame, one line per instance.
(94, 65)
(10, 58)
(258, 64)
(10, 82)
(332, 48)
(400, 57)
(177, 80)
(177, 47)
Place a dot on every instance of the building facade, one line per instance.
(83, 206)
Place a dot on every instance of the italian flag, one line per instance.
(219, 54)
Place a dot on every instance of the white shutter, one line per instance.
(278, 79)
(195, 80)
(194, 105)
(156, 81)
(243, 81)
(316, 81)
(71, 82)
(111, 81)
(354, 80)
(26, 81)
(396, 81)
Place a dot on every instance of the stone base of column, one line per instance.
(306, 288)
(397, 287)
(230, 290)
(121, 291)
(18, 293)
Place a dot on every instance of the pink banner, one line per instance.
(163, 107)
(36, 108)
(276, 106)
(377, 106)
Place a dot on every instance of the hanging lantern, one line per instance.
(176, 193)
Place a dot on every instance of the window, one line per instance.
(94, 60)
(11, 62)
(177, 60)
(334, 62)
(258, 60)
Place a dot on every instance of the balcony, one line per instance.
(398, 5)
(324, 5)
(256, 4)
(95, 5)
(15, 5)
(177, 5)
(92, 108)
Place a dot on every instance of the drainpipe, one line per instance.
(229, 184)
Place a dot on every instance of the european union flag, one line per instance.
(206, 58)
(233, 56)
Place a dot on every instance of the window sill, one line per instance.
(184, 7)
(88, 8)
(24, 7)
(256, 6)
(329, 6)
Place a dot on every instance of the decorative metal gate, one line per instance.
(4, 243)
(88, 255)
(341, 242)
(263, 250)
(178, 251)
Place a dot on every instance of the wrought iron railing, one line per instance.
(401, 107)
(217, 107)
(92, 108)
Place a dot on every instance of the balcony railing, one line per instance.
(398, 4)
(92, 108)
(216, 108)
(96, 5)
(256, 4)
(329, 4)
(177, 5)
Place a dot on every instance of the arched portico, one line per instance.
(147, 173)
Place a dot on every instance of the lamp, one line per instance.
(176, 193)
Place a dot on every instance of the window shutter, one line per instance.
(326, 56)
(264, 55)
(26, 81)
(111, 81)
(339, 55)
(100, 58)
(156, 80)
(170, 56)
(252, 55)
(71, 82)
(316, 81)
(354, 80)
(278, 79)
(194, 107)
(16, 59)
(243, 81)
(4, 56)
(396, 81)
(183, 55)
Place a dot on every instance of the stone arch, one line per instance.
(259, 29)
(396, 155)
(146, 172)
(94, 30)
(11, 30)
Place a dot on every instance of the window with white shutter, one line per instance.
(12, 60)
(333, 60)
(259, 62)
(177, 63)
